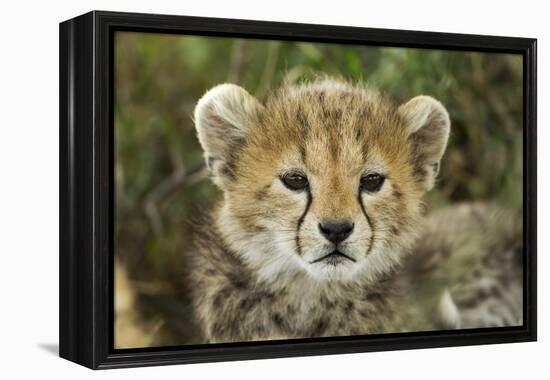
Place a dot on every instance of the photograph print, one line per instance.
(277, 190)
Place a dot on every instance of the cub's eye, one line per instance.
(295, 181)
(372, 182)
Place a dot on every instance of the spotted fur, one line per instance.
(259, 269)
(470, 255)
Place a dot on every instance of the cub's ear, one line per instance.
(429, 126)
(223, 117)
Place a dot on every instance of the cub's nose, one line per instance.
(336, 231)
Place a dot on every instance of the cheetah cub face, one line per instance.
(324, 180)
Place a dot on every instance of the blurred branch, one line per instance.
(178, 178)
(269, 68)
(237, 62)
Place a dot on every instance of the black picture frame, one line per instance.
(86, 188)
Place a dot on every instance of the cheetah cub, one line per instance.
(323, 189)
